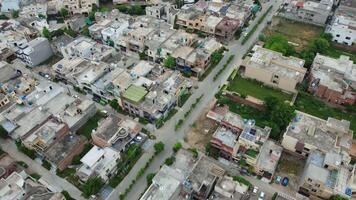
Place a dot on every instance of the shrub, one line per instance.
(35, 176)
(46, 164)
(177, 146)
(169, 161)
(92, 186)
(159, 147)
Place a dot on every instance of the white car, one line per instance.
(262, 195)
(255, 190)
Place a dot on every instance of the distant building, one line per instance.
(308, 11)
(274, 69)
(334, 79)
(34, 52)
(76, 6)
(343, 25)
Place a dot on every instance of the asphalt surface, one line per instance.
(208, 88)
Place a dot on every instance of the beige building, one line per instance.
(307, 133)
(77, 6)
(274, 69)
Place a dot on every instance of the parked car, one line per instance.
(278, 179)
(262, 196)
(255, 190)
(285, 181)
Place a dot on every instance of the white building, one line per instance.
(98, 162)
(77, 6)
(343, 26)
(34, 52)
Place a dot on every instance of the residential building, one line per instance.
(343, 25)
(241, 140)
(162, 11)
(115, 132)
(307, 133)
(274, 69)
(313, 12)
(196, 60)
(99, 162)
(45, 135)
(34, 52)
(60, 42)
(334, 79)
(10, 5)
(200, 183)
(76, 22)
(34, 10)
(19, 185)
(224, 140)
(62, 152)
(228, 188)
(325, 174)
(77, 6)
(88, 49)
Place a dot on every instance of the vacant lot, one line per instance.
(292, 167)
(296, 32)
(256, 89)
(201, 132)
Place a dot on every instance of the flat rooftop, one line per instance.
(64, 147)
(315, 131)
(273, 61)
(227, 137)
(269, 156)
(135, 93)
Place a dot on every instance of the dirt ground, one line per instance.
(201, 131)
(296, 32)
(292, 167)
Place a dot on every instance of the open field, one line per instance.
(253, 88)
(296, 32)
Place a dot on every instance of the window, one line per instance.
(309, 180)
(337, 35)
(348, 38)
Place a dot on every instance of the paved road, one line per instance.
(55, 181)
(167, 134)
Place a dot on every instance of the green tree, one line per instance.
(42, 16)
(136, 10)
(64, 12)
(15, 14)
(149, 178)
(92, 186)
(177, 146)
(2, 16)
(159, 147)
(85, 31)
(216, 56)
(142, 55)
(169, 62)
(3, 132)
(46, 33)
(122, 8)
(278, 113)
(169, 161)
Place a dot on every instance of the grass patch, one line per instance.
(288, 166)
(91, 124)
(66, 172)
(252, 153)
(242, 180)
(256, 89)
(335, 52)
(309, 104)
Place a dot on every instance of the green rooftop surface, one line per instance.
(135, 93)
